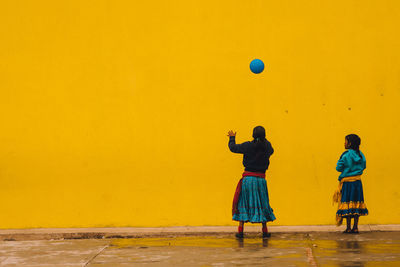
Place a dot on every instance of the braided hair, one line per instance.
(259, 141)
(354, 142)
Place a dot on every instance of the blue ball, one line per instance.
(256, 66)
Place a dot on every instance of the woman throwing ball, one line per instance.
(251, 202)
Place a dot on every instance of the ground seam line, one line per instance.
(309, 251)
(310, 258)
(95, 255)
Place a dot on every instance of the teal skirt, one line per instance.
(253, 205)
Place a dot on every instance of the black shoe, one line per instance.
(266, 235)
(239, 235)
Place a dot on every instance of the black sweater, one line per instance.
(251, 163)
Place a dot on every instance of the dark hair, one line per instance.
(259, 140)
(354, 142)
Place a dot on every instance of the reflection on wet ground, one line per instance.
(313, 249)
(366, 249)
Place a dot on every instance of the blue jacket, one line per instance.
(351, 164)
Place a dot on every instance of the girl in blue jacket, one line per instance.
(350, 192)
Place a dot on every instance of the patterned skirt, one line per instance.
(253, 205)
(352, 200)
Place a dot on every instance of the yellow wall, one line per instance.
(115, 113)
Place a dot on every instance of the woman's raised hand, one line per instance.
(231, 133)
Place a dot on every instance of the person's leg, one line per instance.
(265, 230)
(264, 227)
(348, 221)
(355, 226)
(241, 226)
(240, 230)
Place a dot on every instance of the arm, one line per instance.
(270, 149)
(364, 163)
(236, 148)
(341, 163)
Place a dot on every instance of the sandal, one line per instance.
(239, 235)
(266, 235)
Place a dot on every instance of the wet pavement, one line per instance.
(282, 249)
